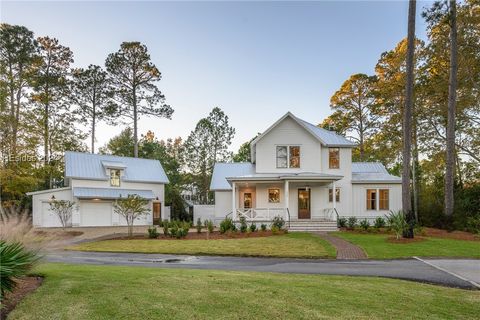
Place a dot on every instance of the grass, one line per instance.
(293, 245)
(113, 292)
(376, 247)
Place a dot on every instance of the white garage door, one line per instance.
(49, 218)
(95, 214)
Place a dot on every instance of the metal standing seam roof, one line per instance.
(110, 193)
(372, 172)
(91, 166)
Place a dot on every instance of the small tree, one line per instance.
(131, 208)
(64, 210)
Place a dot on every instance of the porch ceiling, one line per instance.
(297, 177)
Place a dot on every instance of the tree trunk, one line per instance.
(452, 96)
(135, 134)
(407, 121)
(94, 114)
(415, 168)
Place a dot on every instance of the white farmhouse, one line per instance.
(94, 182)
(304, 174)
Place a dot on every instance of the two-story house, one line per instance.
(304, 174)
(94, 182)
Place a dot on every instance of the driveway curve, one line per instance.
(406, 269)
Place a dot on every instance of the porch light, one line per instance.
(156, 198)
(307, 188)
(53, 197)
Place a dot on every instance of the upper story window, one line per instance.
(115, 177)
(288, 156)
(334, 158)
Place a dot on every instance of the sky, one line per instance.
(254, 60)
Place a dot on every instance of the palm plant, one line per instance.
(397, 222)
(17, 261)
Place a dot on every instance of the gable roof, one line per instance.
(372, 172)
(92, 167)
(326, 137)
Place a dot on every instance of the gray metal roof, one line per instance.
(110, 193)
(328, 138)
(225, 172)
(372, 172)
(91, 166)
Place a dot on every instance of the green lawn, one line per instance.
(376, 247)
(112, 292)
(295, 245)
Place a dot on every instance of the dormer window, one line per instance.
(288, 156)
(115, 177)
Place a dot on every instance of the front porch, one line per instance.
(294, 200)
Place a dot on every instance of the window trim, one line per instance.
(288, 146)
(118, 177)
(377, 199)
(277, 157)
(330, 193)
(370, 200)
(269, 195)
(338, 158)
(387, 199)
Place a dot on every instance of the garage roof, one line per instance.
(109, 193)
(92, 167)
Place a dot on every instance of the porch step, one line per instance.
(313, 225)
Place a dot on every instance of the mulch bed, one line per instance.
(24, 287)
(214, 235)
(405, 240)
(458, 235)
(59, 234)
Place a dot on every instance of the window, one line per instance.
(337, 195)
(294, 157)
(334, 158)
(282, 157)
(247, 200)
(274, 195)
(288, 157)
(383, 193)
(371, 199)
(115, 177)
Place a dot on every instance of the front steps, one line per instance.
(312, 225)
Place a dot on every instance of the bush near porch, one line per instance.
(293, 245)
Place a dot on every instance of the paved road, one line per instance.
(408, 269)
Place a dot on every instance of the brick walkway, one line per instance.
(345, 249)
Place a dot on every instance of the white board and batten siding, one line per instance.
(359, 208)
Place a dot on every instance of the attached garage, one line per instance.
(95, 213)
(49, 218)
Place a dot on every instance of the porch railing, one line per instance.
(263, 214)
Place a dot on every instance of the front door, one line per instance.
(303, 203)
(157, 213)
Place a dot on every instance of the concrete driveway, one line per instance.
(407, 269)
(466, 269)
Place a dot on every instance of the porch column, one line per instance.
(334, 195)
(287, 193)
(234, 211)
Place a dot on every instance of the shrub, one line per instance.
(227, 225)
(16, 262)
(473, 224)
(253, 227)
(342, 222)
(199, 225)
(153, 233)
(243, 224)
(263, 227)
(278, 222)
(379, 223)
(209, 225)
(352, 223)
(165, 225)
(275, 229)
(364, 224)
(397, 222)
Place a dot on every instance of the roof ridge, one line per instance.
(108, 155)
